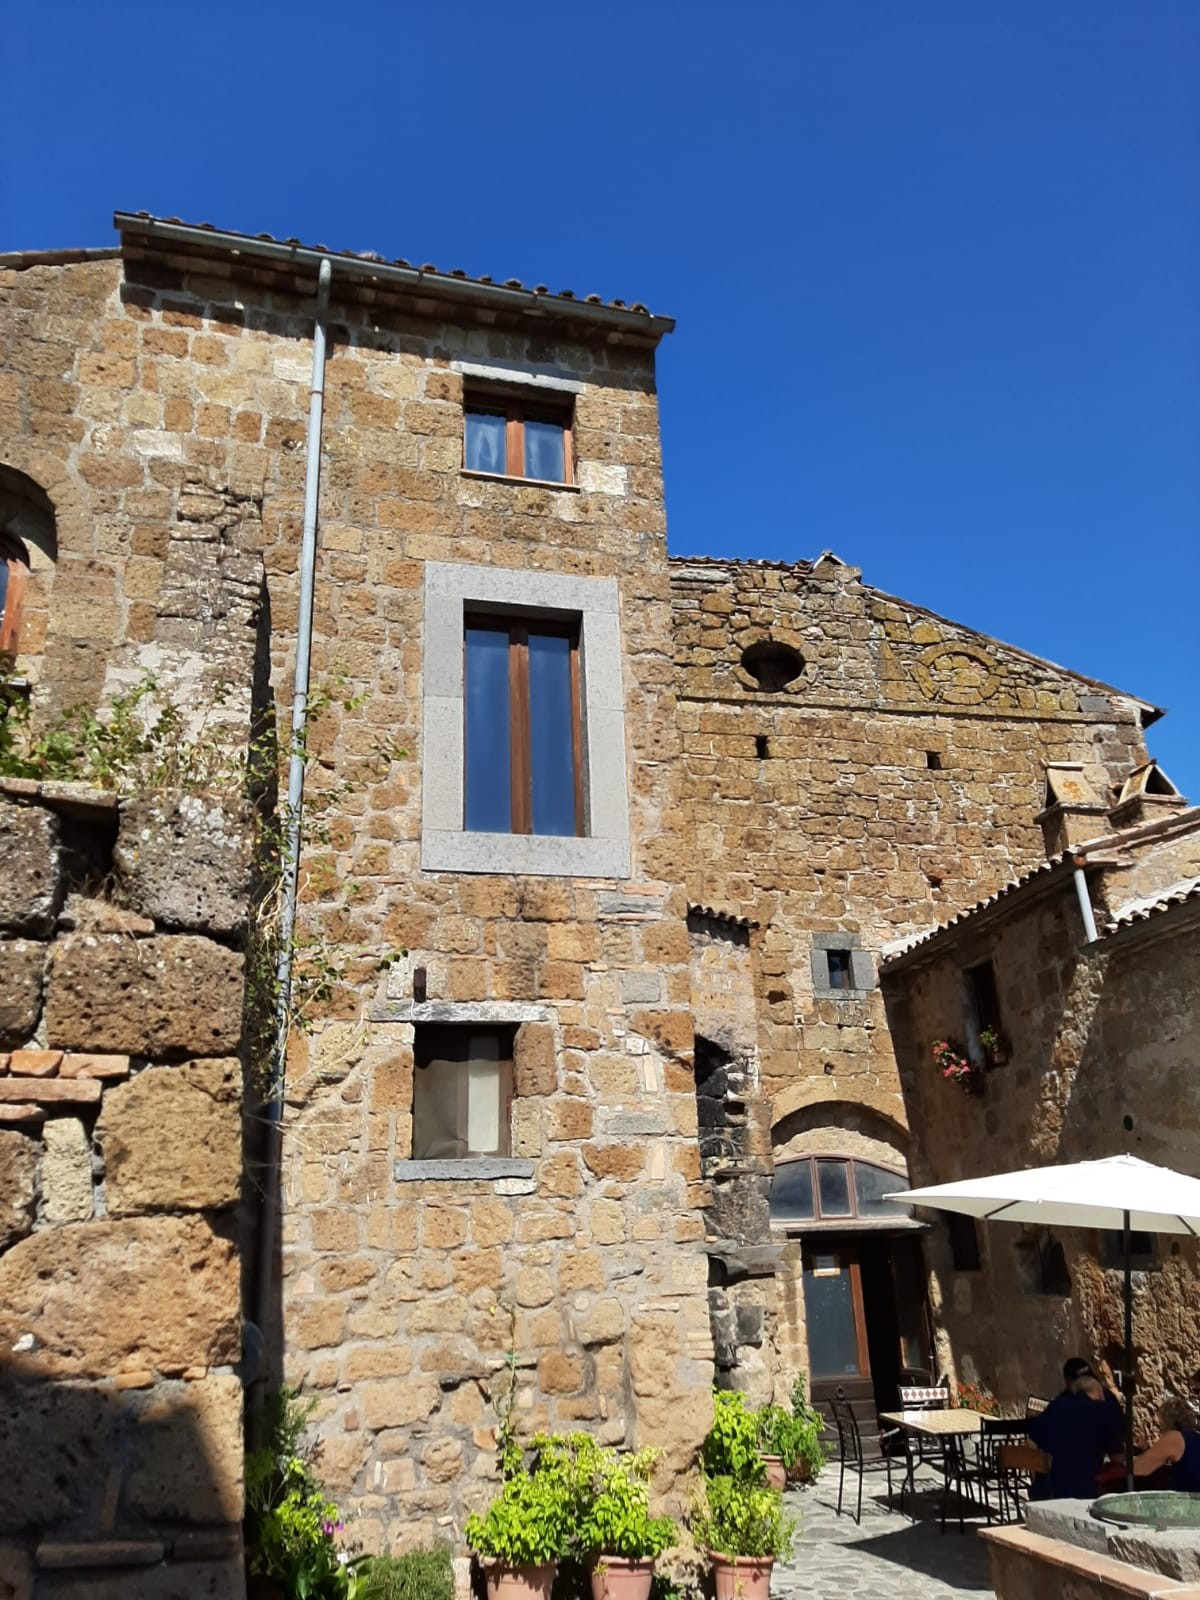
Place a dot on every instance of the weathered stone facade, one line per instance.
(785, 761)
(1099, 1057)
(121, 1166)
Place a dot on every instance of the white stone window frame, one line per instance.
(452, 589)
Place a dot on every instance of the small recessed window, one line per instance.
(762, 746)
(964, 1242)
(462, 1093)
(507, 436)
(14, 573)
(841, 975)
(772, 665)
(984, 997)
(523, 737)
(933, 761)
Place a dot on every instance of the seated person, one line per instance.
(1177, 1446)
(1076, 1430)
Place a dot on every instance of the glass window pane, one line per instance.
(833, 1186)
(544, 456)
(871, 1184)
(485, 450)
(839, 969)
(487, 802)
(792, 1191)
(551, 750)
(829, 1315)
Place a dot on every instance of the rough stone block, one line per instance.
(172, 1138)
(535, 1068)
(31, 889)
(18, 1186)
(175, 1580)
(186, 863)
(34, 1063)
(186, 1452)
(99, 1297)
(22, 966)
(66, 1172)
(50, 1091)
(155, 997)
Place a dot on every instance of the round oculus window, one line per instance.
(772, 665)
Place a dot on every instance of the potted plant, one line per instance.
(777, 1443)
(995, 1046)
(956, 1066)
(526, 1530)
(743, 1528)
(614, 1532)
(731, 1448)
(809, 1455)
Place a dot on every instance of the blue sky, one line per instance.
(936, 265)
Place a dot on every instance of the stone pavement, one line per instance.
(888, 1557)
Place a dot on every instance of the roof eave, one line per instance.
(430, 285)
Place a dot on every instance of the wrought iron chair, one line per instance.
(996, 1434)
(850, 1451)
(918, 1450)
(1018, 1465)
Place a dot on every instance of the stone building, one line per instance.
(605, 843)
(1085, 1047)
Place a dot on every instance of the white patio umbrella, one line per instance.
(1119, 1193)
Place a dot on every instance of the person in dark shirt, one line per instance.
(1177, 1446)
(1076, 1430)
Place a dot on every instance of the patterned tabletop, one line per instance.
(935, 1424)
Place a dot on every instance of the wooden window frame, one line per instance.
(518, 630)
(13, 555)
(517, 408)
(842, 1219)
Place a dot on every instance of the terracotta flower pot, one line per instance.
(742, 1577)
(776, 1472)
(615, 1578)
(519, 1583)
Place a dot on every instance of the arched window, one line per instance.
(14, 576)
(834, 1191)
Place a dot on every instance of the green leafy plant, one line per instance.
(731, 1446)
(995, 1046)
(810, 1425)
(611, 1503)
(778, 1434)
(291, 1524)
(529, 1523)
(416, 1575)
(734, 1517)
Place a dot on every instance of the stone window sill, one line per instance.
(472, 1169)
(842, 994)
(521, 483)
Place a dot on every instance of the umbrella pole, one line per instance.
(1128, 1393)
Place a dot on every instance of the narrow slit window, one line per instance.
(515, 436)
(523, 733)
(841, 974)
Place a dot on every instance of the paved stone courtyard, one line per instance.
(888, 1557)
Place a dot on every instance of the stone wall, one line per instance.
(893, 779)
(1104, 1040)
(120, 1170)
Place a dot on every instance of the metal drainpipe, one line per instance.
(1085, 901)
(295, 806)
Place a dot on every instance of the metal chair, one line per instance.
(916, 1449)
(996, 1434)
(1018, 1465)
(850, 1451)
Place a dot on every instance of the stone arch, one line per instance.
(885, 1103)
(841, 1128)
(29, 546)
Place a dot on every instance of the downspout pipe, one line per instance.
(1085, 900)
(290, 865)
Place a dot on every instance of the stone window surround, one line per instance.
(451, 588)
(511, 1175)
(862, 967)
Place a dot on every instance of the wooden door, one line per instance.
(836, 1325)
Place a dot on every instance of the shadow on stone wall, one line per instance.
(119, 1493)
